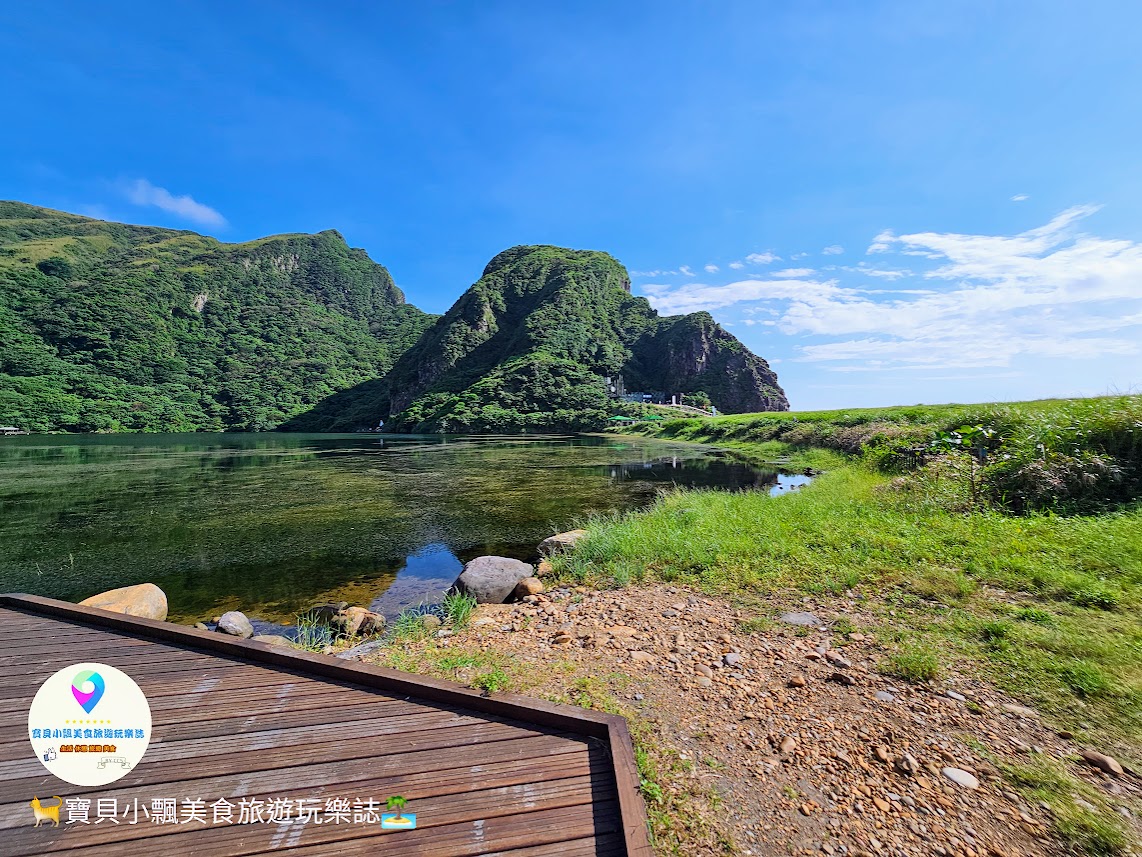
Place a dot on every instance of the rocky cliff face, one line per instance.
(691, 353)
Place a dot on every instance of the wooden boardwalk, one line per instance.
(239, 720)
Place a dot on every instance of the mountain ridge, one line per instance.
(117, 327)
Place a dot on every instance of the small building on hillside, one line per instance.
(8, 430)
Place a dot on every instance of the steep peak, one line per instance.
(547, 254)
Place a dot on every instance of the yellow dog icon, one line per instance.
(47, 813)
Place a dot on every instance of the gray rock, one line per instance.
(492, 579)
(361, 650)
(430, 622)
(961, 778)
(805, 619)
(837, 659)
(732, 659)
(951, 694)
(561, 542)
(669, 614)
(885, 696)
(236, 624)
(143, 599)
(201, 626)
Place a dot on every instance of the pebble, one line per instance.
(885, 696)
(788, 744)
(842, 678)
(958, 697)
(961, 778)
(804, 619)
(732, 659)
(1019, 710)
(798, 681)
(703, 670)
(640, 657)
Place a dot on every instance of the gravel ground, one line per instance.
(787, 740)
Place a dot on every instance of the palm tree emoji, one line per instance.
(397, 802)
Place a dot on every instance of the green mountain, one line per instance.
(534, 343)
(110, 327)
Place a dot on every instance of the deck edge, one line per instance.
(609, 727)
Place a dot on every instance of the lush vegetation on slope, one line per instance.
(529, 345)
(110, 327)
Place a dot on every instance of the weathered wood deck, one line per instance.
(235, 719)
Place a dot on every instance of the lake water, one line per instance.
(272, 523)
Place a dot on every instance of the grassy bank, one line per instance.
(1046, 606)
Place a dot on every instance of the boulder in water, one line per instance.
(236, 624)
(142, 599)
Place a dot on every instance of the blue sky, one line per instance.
(893, 202)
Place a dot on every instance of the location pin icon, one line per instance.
(87, 699)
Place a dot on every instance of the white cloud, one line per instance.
(833, 250)
(685, 269)
(1020, 197)
(711, 269)
(881, 242)
(797, 256)
(794, 273)
(653, 273)
(762, 258)
(737, 266)
(142, 192)
(984, 300)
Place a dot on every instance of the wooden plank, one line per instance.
(506, 704)
(196, 755)
(267, 735)
(566, 773)
(631, 805)
(606, 845)
(458, 825)
(197, 686)
(442, 751)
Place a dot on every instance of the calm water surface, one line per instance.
(272, 523)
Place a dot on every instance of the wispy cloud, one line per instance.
(983, 300)
(1020, 197)
(833, 250)
(685, 269)
(142, 192)
(762, 258)
(653, 273)
(711, 269)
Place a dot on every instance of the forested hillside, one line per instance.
(531, 344)
(110, 327)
